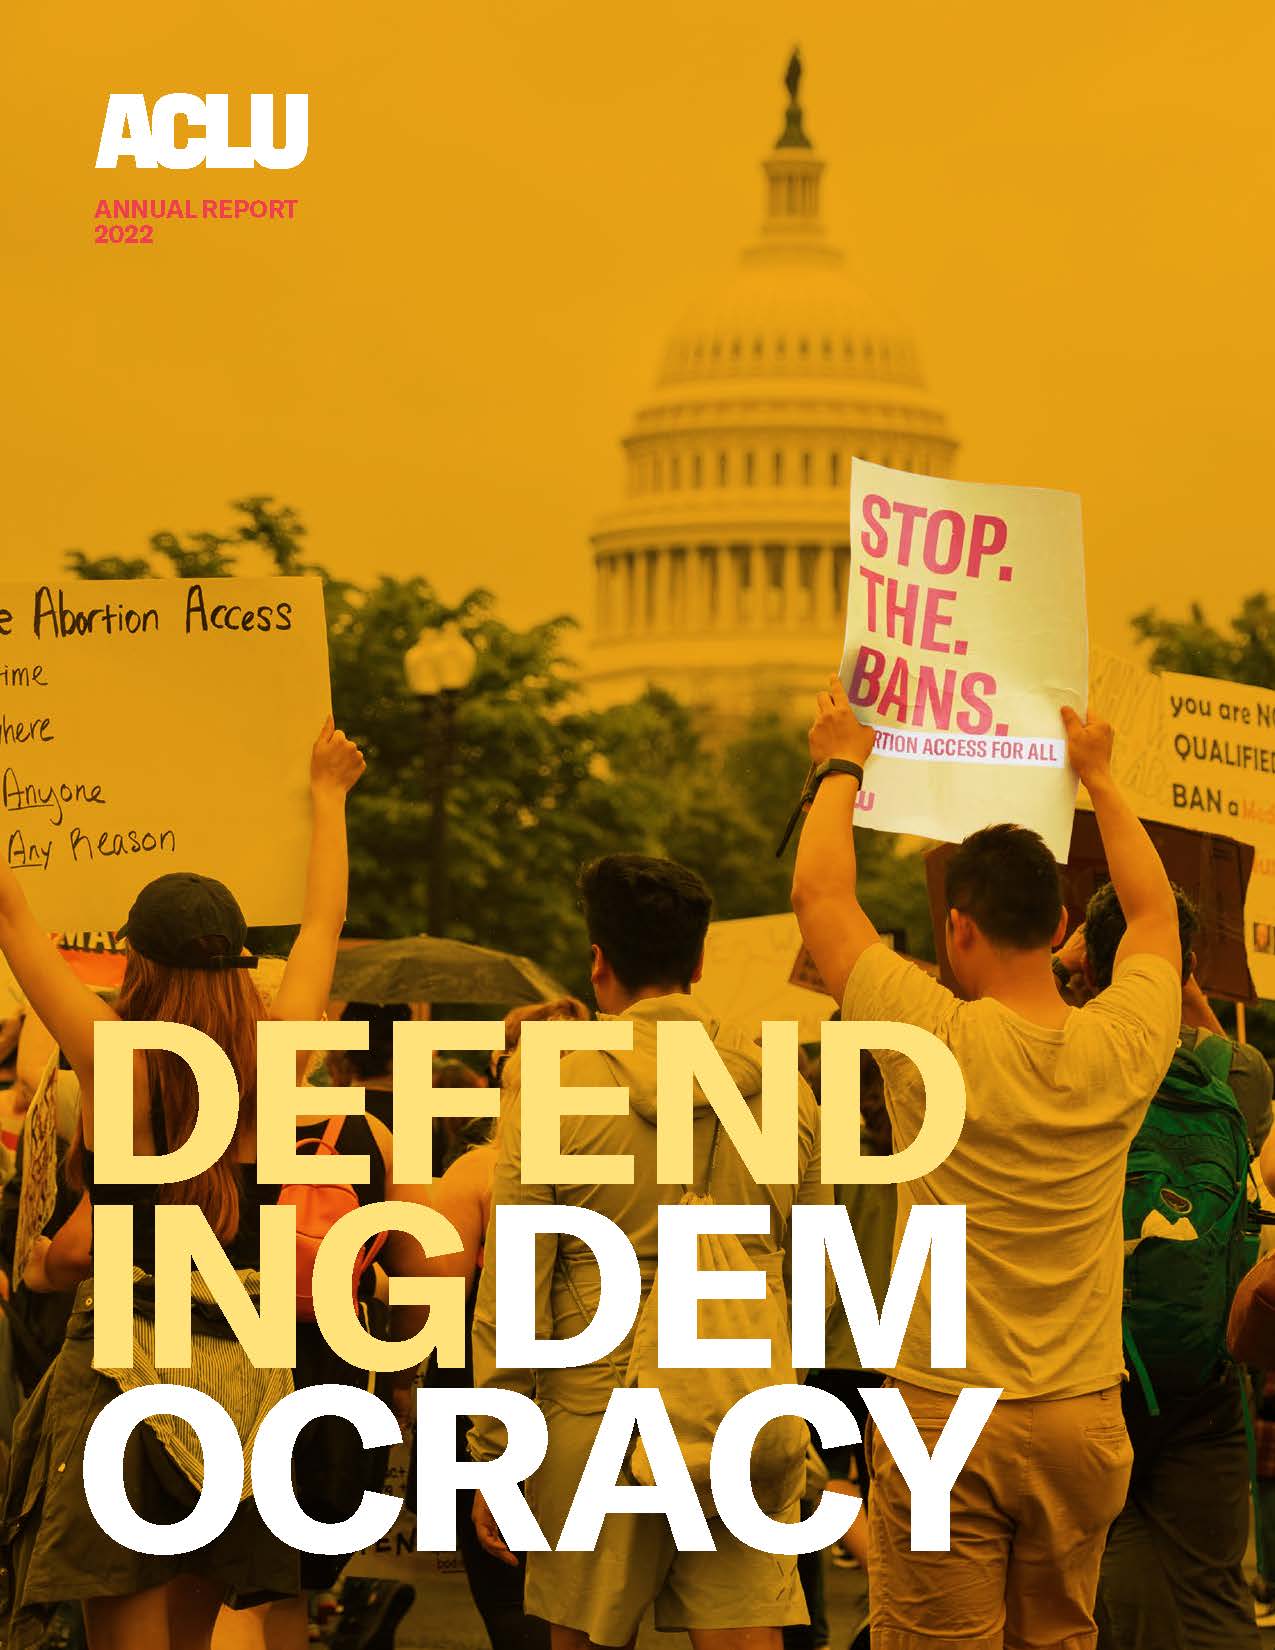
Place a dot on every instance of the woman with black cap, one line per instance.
(187, 963)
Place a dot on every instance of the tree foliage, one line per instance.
(541, 782)
(1244, 652)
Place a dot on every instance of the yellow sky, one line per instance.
(507, 205)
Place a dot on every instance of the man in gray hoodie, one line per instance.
(646, 919)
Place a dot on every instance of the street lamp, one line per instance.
(438, 669)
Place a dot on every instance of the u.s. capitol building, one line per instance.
(722, 575)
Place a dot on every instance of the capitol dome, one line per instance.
(722, 576)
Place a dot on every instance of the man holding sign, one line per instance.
(1054, 1097)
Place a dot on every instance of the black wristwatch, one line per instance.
(834, 764)
(815, 778)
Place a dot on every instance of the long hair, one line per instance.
(226, 1006)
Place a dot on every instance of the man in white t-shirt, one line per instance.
(1054, 1097)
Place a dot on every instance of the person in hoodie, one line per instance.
(646, 920)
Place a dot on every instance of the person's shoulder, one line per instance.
(1144, 989)
(1146, 966)
(885, 985)
(474, 1167)
(1251, 1067)
(1141, 1010)
(878, 968)
(586, 1068)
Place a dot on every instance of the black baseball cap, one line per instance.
(184, 920)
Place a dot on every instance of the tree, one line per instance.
(542, 783)
(1196, 648)
(81, 566)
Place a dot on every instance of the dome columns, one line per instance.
(690, 588)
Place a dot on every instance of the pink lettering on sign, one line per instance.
(907, 612)
(874, 541)
(939, 558)
(949, 544)
(935, 620)
(987, 538)
(865, 678)
(921, 695)
(908, 514)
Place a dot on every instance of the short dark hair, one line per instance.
(1105, 927)
(647, 916)
(1007, 882)
(376, 1059)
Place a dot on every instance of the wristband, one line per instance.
(834, 764)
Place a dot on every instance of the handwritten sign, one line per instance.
(158, 725)
(965, 635)
(1199, 751)
(1221, 743)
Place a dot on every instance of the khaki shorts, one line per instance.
(1030, 1514)
(605, 1593)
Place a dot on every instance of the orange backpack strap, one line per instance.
(326, 1142)
(331, 1135)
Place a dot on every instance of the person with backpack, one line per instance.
(187, 963)
(646, 921)
(1172, 1576)
(1054, 1096)
(331, 1470)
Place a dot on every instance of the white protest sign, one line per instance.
(1199, 751)
(747, 978)
(965, 635)
(158, 725)
(1131, 698)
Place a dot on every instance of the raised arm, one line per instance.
(1139, 878)
(335, 767)
(1197, 1010)
(66, 1007)
(836, 929)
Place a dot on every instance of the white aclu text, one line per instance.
(149, 138)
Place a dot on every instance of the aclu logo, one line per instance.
(150, 138)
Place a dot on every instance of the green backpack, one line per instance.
(1190, 1225)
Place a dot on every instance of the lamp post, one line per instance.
(439, 668)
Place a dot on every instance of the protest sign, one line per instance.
(1199, 751)
(747, 979)
(1131, 698)
(965, 635)
(158, 725)
(1212, 870)
(1221, 760)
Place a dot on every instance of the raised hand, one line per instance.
(1089, 745)
(336, 763)
(836, 730)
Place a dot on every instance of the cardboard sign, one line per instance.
(965, 636)
(1221, 760)
(747, 979)
(1199, 752)
(158, 725)
(1213, 871)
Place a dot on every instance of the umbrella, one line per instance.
(428, 970)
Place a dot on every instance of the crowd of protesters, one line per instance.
(1090, 1512)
